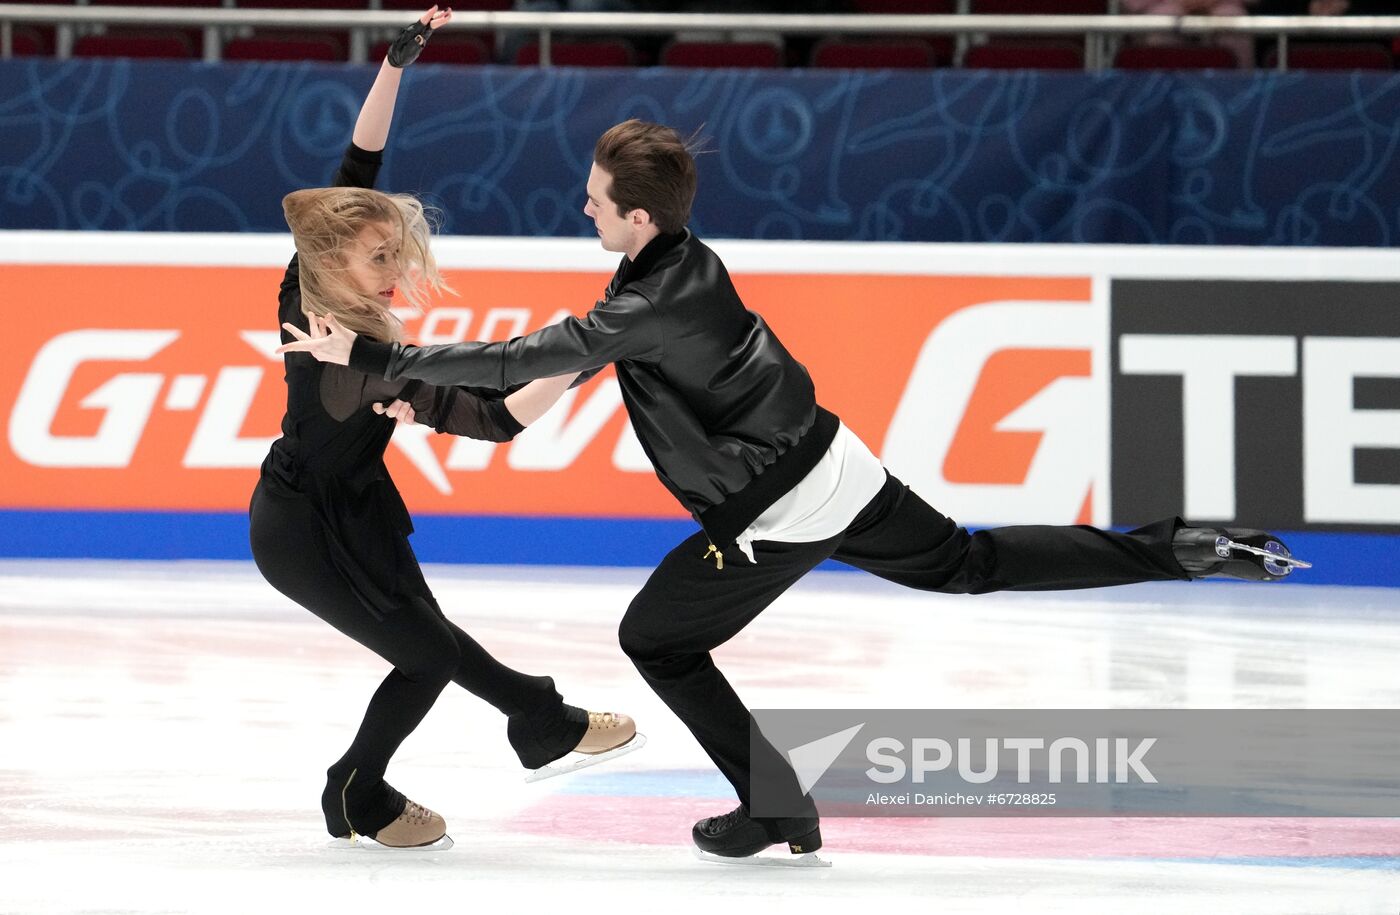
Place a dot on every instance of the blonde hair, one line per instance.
(325, 221)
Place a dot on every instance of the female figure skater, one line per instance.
(328, 528)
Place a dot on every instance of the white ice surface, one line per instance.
(164, 730)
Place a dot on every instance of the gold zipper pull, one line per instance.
(719, 557)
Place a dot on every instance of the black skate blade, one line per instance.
(810, 859)
(364, 844)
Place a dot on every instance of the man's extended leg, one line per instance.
(900, 537)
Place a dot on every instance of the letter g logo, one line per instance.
(1064, 413)
(128, 399)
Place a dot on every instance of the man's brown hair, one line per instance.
(652, 169)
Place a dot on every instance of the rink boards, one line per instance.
(1006, 384)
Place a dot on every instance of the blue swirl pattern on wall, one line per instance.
(1253, 159)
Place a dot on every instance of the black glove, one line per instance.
(409, 45)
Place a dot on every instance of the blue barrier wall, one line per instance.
(1339, 558)
(1266, 159)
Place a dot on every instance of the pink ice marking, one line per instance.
(667, 821)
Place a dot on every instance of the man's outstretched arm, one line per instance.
(625, 327)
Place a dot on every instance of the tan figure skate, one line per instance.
(609, 736)
(416, 827)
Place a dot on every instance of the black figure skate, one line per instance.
(1233, 553)
(737, 838)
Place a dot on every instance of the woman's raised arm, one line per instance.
(372, 126)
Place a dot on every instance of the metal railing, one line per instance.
(360, 23)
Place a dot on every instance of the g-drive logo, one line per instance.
(1062, 760)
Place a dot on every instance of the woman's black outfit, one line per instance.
(330, 531)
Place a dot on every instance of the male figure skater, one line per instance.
(731, 423)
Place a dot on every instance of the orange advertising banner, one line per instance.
(155, 387)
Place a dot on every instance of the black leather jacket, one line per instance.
(727, 416)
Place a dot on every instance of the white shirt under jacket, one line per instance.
(826, 501)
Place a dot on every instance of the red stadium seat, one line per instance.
(199, 3)
(306, 4)
(194, 36)
(497, 6)
(1359, 55)
(1024, 55)
(611, 53)
(1040, 7)
(303, 46)
(941, 45)
(721, 54)
(1175, 57)
(835, 53)
(293, 45)
(134, 44)
(1055, 61)
(907, 7)
(29, 42)
(37, 40)
(448, 49)
(270, 45)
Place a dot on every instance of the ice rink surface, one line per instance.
(165, 727)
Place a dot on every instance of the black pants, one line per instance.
(426, 649)
(689, 607)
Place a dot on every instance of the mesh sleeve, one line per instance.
(446, 409)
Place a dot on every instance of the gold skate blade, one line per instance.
(810, 859)
(565, 766)
(362, 843)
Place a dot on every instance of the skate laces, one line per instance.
(726, 821)
(602, 721)
(415, 814)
